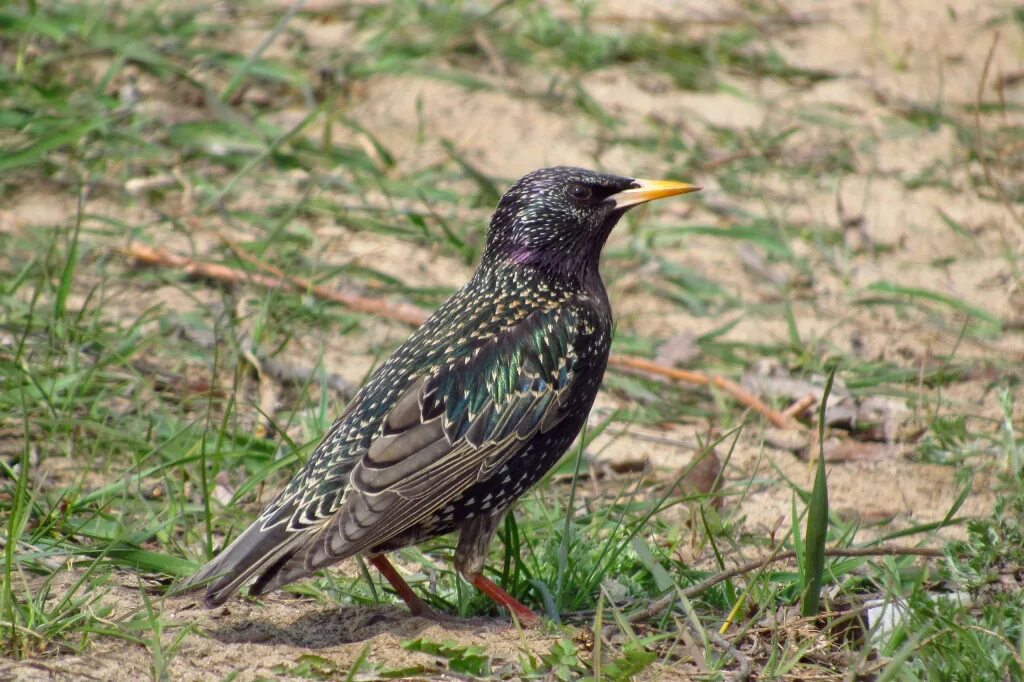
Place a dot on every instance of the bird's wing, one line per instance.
(451, 427)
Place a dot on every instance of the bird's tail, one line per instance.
(262, 548)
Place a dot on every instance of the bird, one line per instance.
(468, 413)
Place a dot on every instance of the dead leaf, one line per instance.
(705, 478)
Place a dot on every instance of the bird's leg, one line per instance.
(490, 588)
(417, 606)
(474, 538)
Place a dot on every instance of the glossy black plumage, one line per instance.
(471, 410)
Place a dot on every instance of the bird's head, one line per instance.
(558, 219)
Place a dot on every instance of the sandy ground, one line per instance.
(883, 52)
(243, 641)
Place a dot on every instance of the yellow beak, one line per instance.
(649, 190)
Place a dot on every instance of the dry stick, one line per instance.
(800, 406)
(688, 621)
(735, 390)
(412, 315)
(662, 603)
(401, 312)
(742, 662)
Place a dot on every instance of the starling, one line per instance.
(468, 413)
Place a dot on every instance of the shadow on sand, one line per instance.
(326, 627)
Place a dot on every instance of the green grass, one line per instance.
(135, 434)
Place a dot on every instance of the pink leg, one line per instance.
(417, 606)
(526, 617)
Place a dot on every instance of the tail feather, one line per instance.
(293, 566)
(280, 573)
(255, 550)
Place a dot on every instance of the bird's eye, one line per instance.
(580, 192)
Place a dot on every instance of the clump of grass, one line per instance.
(975, 632)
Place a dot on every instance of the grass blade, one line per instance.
(817, 521)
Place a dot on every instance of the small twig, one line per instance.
(401, 312)
(662, 603)
(742, 662)
(740, 394)
(800, 406)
